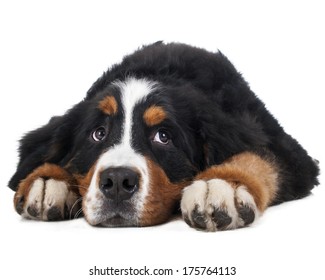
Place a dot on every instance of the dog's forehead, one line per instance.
(129, 95)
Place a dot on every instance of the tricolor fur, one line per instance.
(172, 128)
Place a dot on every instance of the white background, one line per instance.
(51, 53)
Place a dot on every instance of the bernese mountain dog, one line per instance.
(172, 128)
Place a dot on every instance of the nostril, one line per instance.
(129, 187)
(107, 187)
(108, 184)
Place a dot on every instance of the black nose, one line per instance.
(118, 183)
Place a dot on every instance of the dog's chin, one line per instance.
(119, 221)
(108, 214)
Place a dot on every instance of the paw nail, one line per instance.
(198, 219)
(247, 214)
(54, 214)
(31, 210)
(221, 218)
(187, 220)
(66, 212)
(20, 205)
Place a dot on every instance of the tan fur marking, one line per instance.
(258, 175)
(84, 180)
(154, 115)
(46, 170)
(108, 105)
(162, 198)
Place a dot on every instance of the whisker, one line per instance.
(74, 204)
(78, 213)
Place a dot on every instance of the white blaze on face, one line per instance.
(132, 92)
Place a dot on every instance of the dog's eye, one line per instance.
(162, 137)
(99, 134)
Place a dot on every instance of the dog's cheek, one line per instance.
(162, 197)
(85, 180)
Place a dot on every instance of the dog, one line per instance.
(172, 128)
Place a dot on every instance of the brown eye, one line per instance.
(162, 137)
(99, 134)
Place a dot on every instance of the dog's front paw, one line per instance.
(217, 205)
(46, 198)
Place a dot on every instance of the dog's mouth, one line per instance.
(122, 215)
(107, 213)
(118, 221)
(115, 220)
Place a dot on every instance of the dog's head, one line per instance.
(141, 142)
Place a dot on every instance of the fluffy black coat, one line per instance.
(223, 118)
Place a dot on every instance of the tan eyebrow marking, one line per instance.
(108, 105)
(154, 115)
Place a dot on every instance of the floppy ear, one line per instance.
(50, 143)
(225, 135)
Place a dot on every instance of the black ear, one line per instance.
(225, 135)
(49, 143)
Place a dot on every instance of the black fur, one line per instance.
(214, 115)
